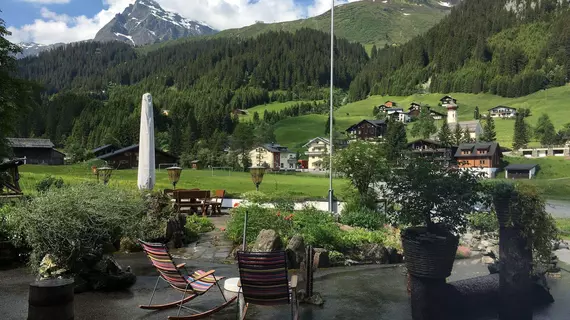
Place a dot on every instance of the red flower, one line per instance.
(279, 213)
(236, 204)
(222, 229)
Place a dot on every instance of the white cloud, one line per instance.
(47, 1)
(219, 14)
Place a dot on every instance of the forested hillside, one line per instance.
(505, 47)
(94, 89)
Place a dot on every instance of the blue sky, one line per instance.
(50, 21)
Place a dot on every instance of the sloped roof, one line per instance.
(132, 148)
(375, 123)
(504, 107)
(529, 166)
(274, 147)
(325, 140)
(101, 148)
(6, 164)
(428, 141)
(470, 125)
(491, 148)
(30, 143)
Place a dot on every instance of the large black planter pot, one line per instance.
(429, 255)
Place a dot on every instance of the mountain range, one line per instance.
(370, 22)
(146, 22)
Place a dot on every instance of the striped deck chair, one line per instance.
(264, 280)
(191, 285)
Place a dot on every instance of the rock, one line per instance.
(395, 257)
(487, 260)
(295, 252)
(316, 299)
(493, 267)
(344, 227)
(375, 253)
(492, 251)
(321, 258)
(350, 262)
(108, 275)
(485, 243)
(176, 230)
(267, 240)
(563, 245)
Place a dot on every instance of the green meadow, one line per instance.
(296, 186)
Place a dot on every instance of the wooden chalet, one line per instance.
(128, 157)
(36, 151)
(432, 149)
(9, 178)
(482, 156)
(367, 130)
(447, 100)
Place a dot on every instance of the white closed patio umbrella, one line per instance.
(146, 176)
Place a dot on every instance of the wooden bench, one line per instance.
(192, 200)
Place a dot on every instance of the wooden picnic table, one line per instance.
(192, 200)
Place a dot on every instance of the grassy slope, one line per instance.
(368, 22)
(297, 186)
(276, 106)
(564, 227)
(296, 131)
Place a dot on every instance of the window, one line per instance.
(483, 162)
(281, 165)
(465, 151)
(481, 151)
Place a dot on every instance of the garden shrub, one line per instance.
(255, 197)
(48, 182)
(259, 218)
(483, 221)
(197, 224)
(78, 223)
(363, 217)
(318, 228)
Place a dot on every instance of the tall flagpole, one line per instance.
(331, 192)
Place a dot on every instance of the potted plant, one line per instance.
(433, 200)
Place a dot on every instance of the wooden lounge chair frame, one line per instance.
(193, 284)
(264, 280)
(217, 200)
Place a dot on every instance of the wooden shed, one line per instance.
(521, 171)
(127, 158)
(9, 178)
(36, 151)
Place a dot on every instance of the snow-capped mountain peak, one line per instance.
(34, 49)
(146, 22)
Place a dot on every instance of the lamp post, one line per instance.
(257, 173)
(105, 173)
(174, 175)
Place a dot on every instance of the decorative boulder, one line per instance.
(295, 252)
(267, 240)
(376, 253)
(395, 257)
(176, 230)
(321, 258)
(108, 275)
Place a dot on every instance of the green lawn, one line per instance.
(298, 186)
(564, 227)
(295, 132)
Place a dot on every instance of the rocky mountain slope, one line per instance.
(34, 49)
(146, 22)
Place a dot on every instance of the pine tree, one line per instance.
(175, 134)
(396, 140)
(424, 127)
(256, 117)
(374, 52)
(444, 134)
(328, 124)
(466, 136)
(476, 114)
(545, 131)
(489, 133)
(521, 136)
(458, 136)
